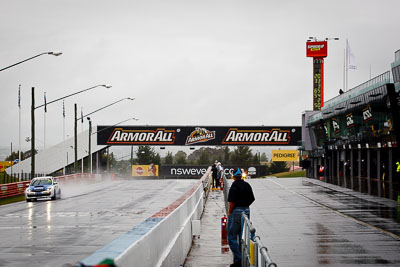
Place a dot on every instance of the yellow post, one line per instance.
(251, 253)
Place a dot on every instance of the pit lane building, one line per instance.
(353, 140)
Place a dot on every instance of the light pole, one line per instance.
(76, 128)
(107, 148)
(33, 119)
(54, 53)
(90, 146)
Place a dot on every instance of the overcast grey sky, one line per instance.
(186, 62)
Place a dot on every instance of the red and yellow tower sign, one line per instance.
(318, 50)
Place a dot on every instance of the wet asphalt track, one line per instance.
(305, 222)
(51, 233)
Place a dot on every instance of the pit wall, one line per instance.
(164, 239)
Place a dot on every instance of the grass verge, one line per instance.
(4, 201)
(290, 174)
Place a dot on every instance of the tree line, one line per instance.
(241, 156)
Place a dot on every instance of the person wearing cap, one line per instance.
(240, 197)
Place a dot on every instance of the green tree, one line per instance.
(145, 155)
(157, 159)
(278, 166)
(180, 158)
(169, 158)
(264, 157)
(14, 155)
(242, 156)
(255, 159)
(204, 158)
(227, 156)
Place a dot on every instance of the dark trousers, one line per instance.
(234, 231)
(215, 182)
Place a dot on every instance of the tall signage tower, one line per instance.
(318, 50)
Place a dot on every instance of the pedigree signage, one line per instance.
(198, 135)
(285, 155)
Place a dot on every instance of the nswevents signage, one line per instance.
(183, 171)
(285, 155)
(198, 135)
(199, 171)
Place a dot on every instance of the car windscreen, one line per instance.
(41, 182)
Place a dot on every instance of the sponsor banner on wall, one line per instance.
(285, 155)
(183, 171)
(199, 171)
(252, 170)
(367, 114)
(145, 170)
(199, 135)
(350, 120)
(336, 125)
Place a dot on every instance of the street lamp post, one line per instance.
(90, 146)
(54, 53)
(76, 128)
(33, 118)
(97, 161)
(33, 134)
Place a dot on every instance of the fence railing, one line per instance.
(6, 178)
(254, 253)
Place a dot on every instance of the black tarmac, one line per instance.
(305, 222)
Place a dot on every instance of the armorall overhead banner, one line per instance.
(199, 135)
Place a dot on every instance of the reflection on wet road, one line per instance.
(51, 233)
(306, 222)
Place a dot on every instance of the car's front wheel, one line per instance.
(54, 196)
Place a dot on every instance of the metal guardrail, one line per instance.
(397, 55)
(367, 86)
(207, 184)
(254, 253)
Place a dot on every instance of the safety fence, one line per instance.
(13, 189)
(18, 188)
(254, 253)
(6, 178)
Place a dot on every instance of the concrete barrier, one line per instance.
(164, 239)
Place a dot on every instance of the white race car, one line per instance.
(42, 187)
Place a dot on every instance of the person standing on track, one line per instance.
(214, 171)
(240, 197)
(220, 170)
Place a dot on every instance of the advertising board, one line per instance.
(4, 165)
(318, 84)
(191, 171)
(317, 49)
(145, 170)
(198, 135)
(285, 155)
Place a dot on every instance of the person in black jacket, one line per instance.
(240, 197)
(215, 174)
